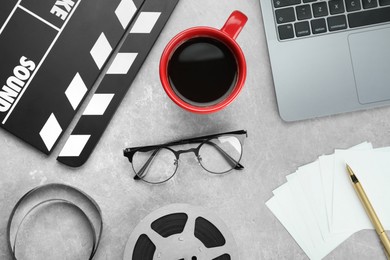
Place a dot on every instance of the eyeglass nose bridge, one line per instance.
(191, 150)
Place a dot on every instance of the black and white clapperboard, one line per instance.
(52, 52)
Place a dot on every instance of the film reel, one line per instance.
(181, 232)
(68, 204)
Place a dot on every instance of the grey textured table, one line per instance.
(272, 150)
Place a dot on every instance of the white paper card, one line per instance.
(372, 168)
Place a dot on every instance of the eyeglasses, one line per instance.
(218, 154)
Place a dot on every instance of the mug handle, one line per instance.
(234, 24)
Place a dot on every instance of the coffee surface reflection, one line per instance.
(202, 71)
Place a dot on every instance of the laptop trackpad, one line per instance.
(370, 53)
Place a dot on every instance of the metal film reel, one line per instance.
(181, 232)
(70, 203)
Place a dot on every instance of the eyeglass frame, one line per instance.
(130, 152)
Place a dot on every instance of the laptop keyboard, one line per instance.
(299, 18)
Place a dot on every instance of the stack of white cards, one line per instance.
(318, 205)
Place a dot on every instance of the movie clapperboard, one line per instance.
(51, 54)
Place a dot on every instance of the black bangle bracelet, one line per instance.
(54, 194)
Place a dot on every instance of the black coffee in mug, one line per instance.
(203, 71)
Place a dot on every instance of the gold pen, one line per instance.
(370, 211)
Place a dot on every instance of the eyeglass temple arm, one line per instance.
(202, 138)
(237, 165)
(186, 141)
(143, 169)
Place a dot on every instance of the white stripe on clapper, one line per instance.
(145, 22)
(74, 145)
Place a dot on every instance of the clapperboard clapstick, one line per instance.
(51, 53)
(144, 30)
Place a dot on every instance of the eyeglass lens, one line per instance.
(221, 154)
(155, 166)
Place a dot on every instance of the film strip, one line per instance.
(143, 33)
(39, 203)
(181, 231)
(52, 53)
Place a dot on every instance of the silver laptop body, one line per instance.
(328, 63)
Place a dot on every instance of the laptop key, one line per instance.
(282, 3)
(352, 5)
(368, 17)
(336, 23)
(369, 4)
(320, 9)
(318, 26)
(336, 6)
(303, 12)
(308, 1)
(302, 29)
(286, 31)
(285, 15)
(384, 2)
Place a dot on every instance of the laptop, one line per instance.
(328, 56)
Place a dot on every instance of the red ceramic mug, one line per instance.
(226, 37)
